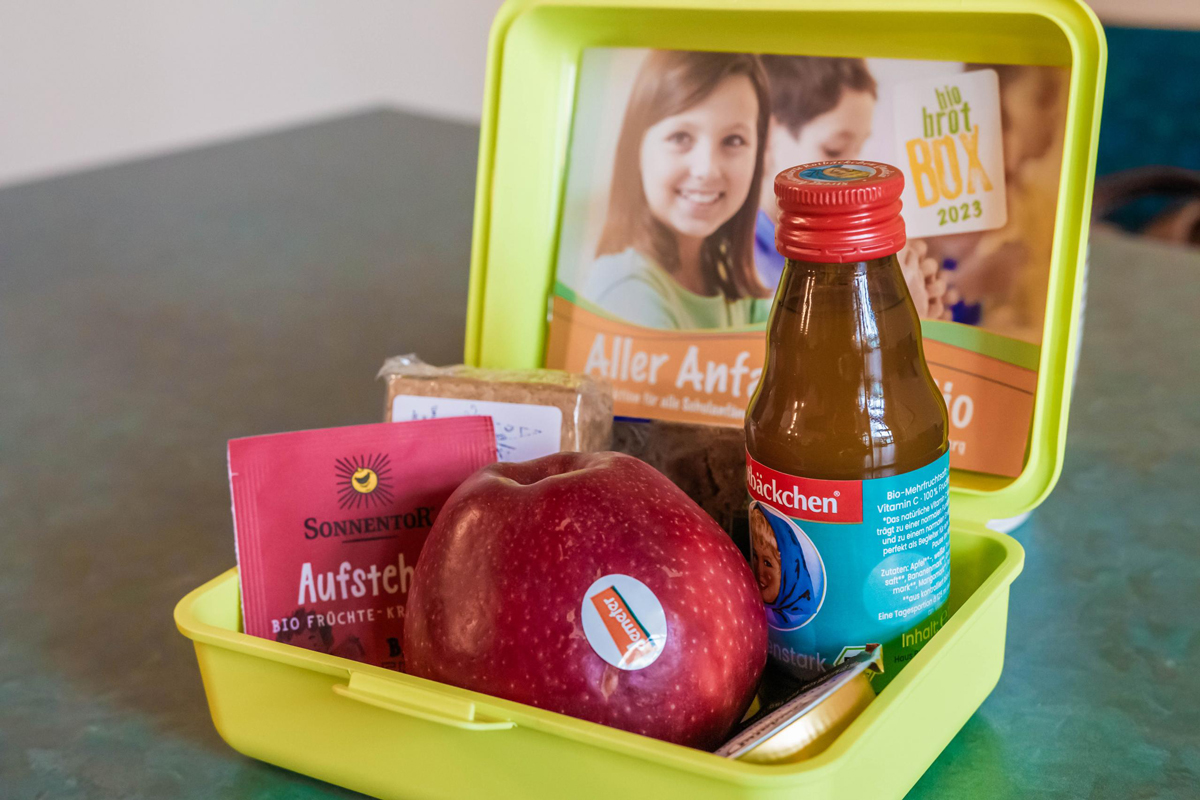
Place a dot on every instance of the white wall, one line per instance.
(88, 82)
(1183, 14)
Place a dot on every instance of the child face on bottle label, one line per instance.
(766, 555)
(787, 567)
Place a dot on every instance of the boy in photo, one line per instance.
(822, 110)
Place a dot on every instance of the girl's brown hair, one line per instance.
(669, 83)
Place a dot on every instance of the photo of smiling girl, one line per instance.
(676, 249)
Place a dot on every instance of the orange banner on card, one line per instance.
(991, 405)
(709, 376)
(683, 376)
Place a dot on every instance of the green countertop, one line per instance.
(153, 310)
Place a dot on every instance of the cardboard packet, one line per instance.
(329, 524)
(537, 412)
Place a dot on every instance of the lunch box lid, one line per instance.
(535, 53)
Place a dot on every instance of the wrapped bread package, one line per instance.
(536, 412)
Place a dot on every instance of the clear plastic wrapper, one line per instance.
(536, 411)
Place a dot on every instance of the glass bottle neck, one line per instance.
(852, 305)
(845, 393)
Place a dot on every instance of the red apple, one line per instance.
(552, 583)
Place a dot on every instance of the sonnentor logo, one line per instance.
(364, 480)
(805, 498)
(624, 622)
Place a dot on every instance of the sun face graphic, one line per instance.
(364, 481)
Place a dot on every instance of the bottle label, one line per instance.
(844, 564)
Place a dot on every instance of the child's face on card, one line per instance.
(838, 133)
(697, 165)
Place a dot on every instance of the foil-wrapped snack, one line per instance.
(707, 462)
(536, 412)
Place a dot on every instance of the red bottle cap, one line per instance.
(839, 211)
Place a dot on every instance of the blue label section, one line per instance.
(828, 587)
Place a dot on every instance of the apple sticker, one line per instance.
(624, 622)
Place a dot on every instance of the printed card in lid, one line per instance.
(329, 524)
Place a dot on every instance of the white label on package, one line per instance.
(952, 153)
(523, 431)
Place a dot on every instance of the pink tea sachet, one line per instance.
(329, 523)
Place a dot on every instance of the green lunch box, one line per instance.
(397, 736)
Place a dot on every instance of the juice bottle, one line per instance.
(846, 434)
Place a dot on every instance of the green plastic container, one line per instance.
(398, 736)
